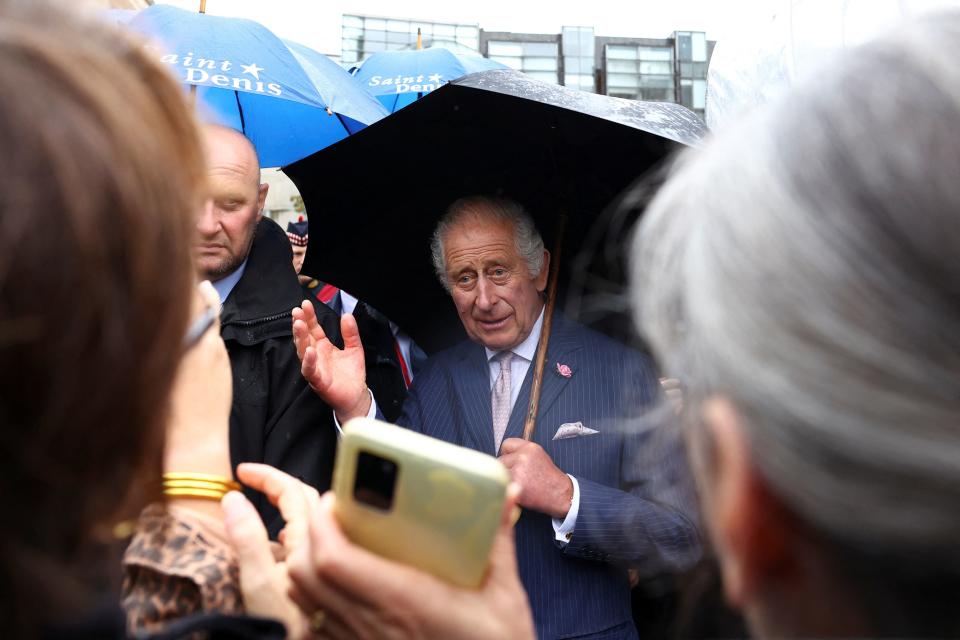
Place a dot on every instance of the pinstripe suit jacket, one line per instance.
(637, 507)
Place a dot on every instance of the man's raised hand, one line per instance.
(337, 376)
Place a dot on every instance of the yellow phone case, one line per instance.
(446, 503)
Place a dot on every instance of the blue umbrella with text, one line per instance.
(288, 99)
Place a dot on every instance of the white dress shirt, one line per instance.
(226, 284)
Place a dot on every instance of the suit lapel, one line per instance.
(563, 346)
(472, 386)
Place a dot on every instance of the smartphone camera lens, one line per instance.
(376, 481)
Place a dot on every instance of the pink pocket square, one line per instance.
(573, 430)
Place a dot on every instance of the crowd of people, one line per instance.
(172, 393)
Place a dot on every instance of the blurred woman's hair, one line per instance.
(100, 179)
(806, 265)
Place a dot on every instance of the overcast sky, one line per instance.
(316, 23)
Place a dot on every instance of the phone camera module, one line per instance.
(376, 481)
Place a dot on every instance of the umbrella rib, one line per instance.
(342, 123)
(243, 123)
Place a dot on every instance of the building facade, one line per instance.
(656, 69)
(365, 35)
(670, 69)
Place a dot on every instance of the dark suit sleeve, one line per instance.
(650, 521)
(411, 417)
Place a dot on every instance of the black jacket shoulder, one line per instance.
(259, 306)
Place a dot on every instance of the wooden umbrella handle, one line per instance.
(530, 424)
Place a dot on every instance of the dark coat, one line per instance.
(637, 504)
(276, 418)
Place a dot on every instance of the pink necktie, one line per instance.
(500, 398)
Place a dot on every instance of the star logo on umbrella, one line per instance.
(435, 78)
(252, 69)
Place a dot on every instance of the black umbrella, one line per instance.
(373, 199)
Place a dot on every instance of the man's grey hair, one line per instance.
(527, 238)
(805, 264)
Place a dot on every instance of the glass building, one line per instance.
(364, 35)
(658, 69)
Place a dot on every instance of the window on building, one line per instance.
(684, 45)
(700, 94)
(618, 52)
(622, 82)
(640, 72)
(693, 94)
(364, 35)
(582, 81)
(349, 51)
(657, 89)
(691, 49)
(654, 68)
(505, 49)
(536, 59)
(578, 58)
(698, 46)
(540, 49)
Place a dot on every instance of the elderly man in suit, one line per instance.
(592, 506)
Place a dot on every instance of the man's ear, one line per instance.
(541, 279)
(752, 529)
(262, 198)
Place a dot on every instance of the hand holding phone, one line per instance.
(418, 500)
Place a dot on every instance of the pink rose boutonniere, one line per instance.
(564, 370)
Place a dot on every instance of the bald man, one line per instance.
(276, 418)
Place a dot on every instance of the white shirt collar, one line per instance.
(347, 302)
(528, 348)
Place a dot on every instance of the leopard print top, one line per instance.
(178, 564)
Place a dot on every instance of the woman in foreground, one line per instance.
(103, 389)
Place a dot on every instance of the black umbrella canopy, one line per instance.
(374, 198)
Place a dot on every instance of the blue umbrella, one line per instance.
(289, 100)
(397, 78)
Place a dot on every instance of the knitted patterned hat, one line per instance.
(297, 232)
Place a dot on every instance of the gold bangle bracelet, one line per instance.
(207, 486)
(200, 484)
(201, 477)
(207, 494)
(181, 476)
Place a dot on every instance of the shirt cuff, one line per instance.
(372, 413)
(564, 528)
